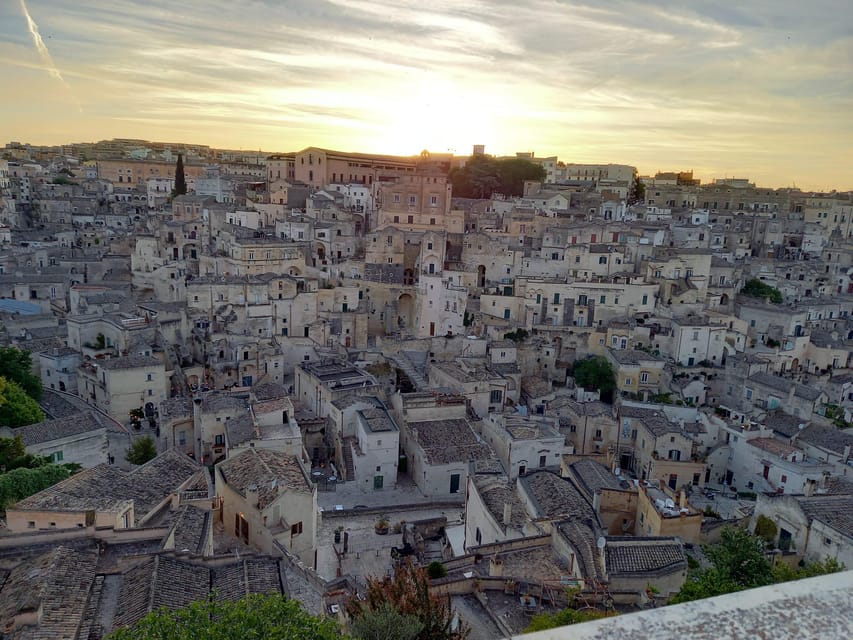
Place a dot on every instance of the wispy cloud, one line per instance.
(764, 90)
(43, 51)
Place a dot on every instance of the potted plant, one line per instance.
(381, 526)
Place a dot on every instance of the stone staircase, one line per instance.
(349, 465)
(413, 364)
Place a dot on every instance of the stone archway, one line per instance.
(405, 311)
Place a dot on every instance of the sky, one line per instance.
(760, 89)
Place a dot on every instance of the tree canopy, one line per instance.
(17, 365)
(637, 193)
(142, 450)
(755, 288)
(542, 621)
(180, 187)
(485, 175)
(22, 482)
(408, 593)
(739, 561)
(596, 373)
(17, 409)
(267, 617)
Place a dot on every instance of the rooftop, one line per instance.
(496, 492)
(593, 476)
(270, 472)
(58, 428)
(446, 441)
(554, 497)
(632, 555)
(377, 420)
(835, 511)
(129, 362)
(106, 488)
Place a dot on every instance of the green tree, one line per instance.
(783, 572)
(436, 570)
(739, 562)
(596, 373)
(17, 409)
(17, 365)
(180, 180)
(385, 623)
(13, 455)
(261, 617)
(19, 483)
(485, 175)
(408, 592)
(543, 621)
(755, 288)
(766, 529)
(637, 193)
(141, 451)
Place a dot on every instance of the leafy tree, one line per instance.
(783, 572)
(543, 621)
(485, 175)
(180, 180)
(141, 451)
(766, 529)
(17, 365)
(519, 335)
(436, 570)
(408, 592)
(755, 288)
(739, 562)
(385, 623)
(637, 193)
(267, 617)
(19, 483)
(596, 373)
(13, 455)
(17, 409)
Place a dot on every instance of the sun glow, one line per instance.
(440, 117)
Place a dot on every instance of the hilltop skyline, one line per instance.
(764, 94)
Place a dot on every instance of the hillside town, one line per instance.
(567, 382)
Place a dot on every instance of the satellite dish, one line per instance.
(602, 542)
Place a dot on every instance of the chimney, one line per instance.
(252, 495)
(682, 499)
(507, 514)
(496, 566)
(809, 487)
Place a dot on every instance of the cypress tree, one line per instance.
(180, 181)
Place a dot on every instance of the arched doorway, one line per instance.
(795, 365)
(724, 300)
(405, 311)
(321, 252)
(481, 276)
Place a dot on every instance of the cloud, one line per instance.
(43, 52)
(655, 84)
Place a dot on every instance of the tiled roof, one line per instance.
(784, 386)
(107, 488)
(240, 429)
(268, 391)
(583, 536)
(632, 555)
(495, 492)
(58, 405)
(269, 471)
(830, 438)
(594, 477)
(835, 511)
(129, 362)
(166, 581)
(56, 585)
(72, 425)
(190, 528)
(555, 497)
(451, 440)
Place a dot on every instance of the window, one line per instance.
(749, 394)
(496, 396)
(410, 220)
(627, 381)
(413, 200)
(295, 529)
(150, 377)
(30, 523)
(182, 438)
(601, 299)
(556, 298)
(602, 260)
(644, 376)
(433, 201)
(219, 440)
(645, 299)
(784, 478)
(573, 429)
(57, 456)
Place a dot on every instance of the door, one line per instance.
(377, 482)
(673, 481)
(766, 471)
(432, 328)
(247, 381)
(345, 307)
(454, 483)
